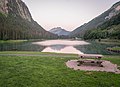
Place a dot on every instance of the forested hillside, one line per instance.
(109, 29)
(101, 20)
(16, 22)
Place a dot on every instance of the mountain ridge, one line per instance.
(16, 22)
(94, 23)
(59, 31)
(108, 30)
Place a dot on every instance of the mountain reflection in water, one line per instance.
(62, 49)
(61, 46)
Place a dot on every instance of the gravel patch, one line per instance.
(107, 67)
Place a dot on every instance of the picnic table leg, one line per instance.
(80, 62)
(99, 63)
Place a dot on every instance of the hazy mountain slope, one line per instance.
(16, 22)
(59, 31)
(80, 31)
(109, 29)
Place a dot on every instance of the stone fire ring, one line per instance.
(107, 67)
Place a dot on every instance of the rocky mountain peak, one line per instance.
(115, 9)
(4, 7)
(116, 4)
(59, 31)
(17, 8)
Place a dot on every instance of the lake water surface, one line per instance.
(59, 46)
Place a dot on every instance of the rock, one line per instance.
(16, 8)
(3, 6)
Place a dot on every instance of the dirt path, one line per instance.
(42, 55)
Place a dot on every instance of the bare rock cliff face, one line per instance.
(3, 6)
(115, 9)
(17, 8)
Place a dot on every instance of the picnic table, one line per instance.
(94, 59)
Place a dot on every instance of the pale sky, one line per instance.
(68, 14)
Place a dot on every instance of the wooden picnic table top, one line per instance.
(90, 55)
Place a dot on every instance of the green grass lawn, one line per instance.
(110, 41)
(115, 48)
(38, 71)
(12, 41)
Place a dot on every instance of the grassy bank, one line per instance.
(110, 41)
(51, 71)
(12, 41)
(115, 48)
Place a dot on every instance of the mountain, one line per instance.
(16, 22)
(59, 31)
(109, 29)
(94, 23)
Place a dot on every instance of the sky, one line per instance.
(68, 14)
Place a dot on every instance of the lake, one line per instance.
(59, 46)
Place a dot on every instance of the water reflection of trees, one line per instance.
(26, 46)
(95, 48)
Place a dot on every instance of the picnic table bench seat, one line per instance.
(96, 56)
(86, 59)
